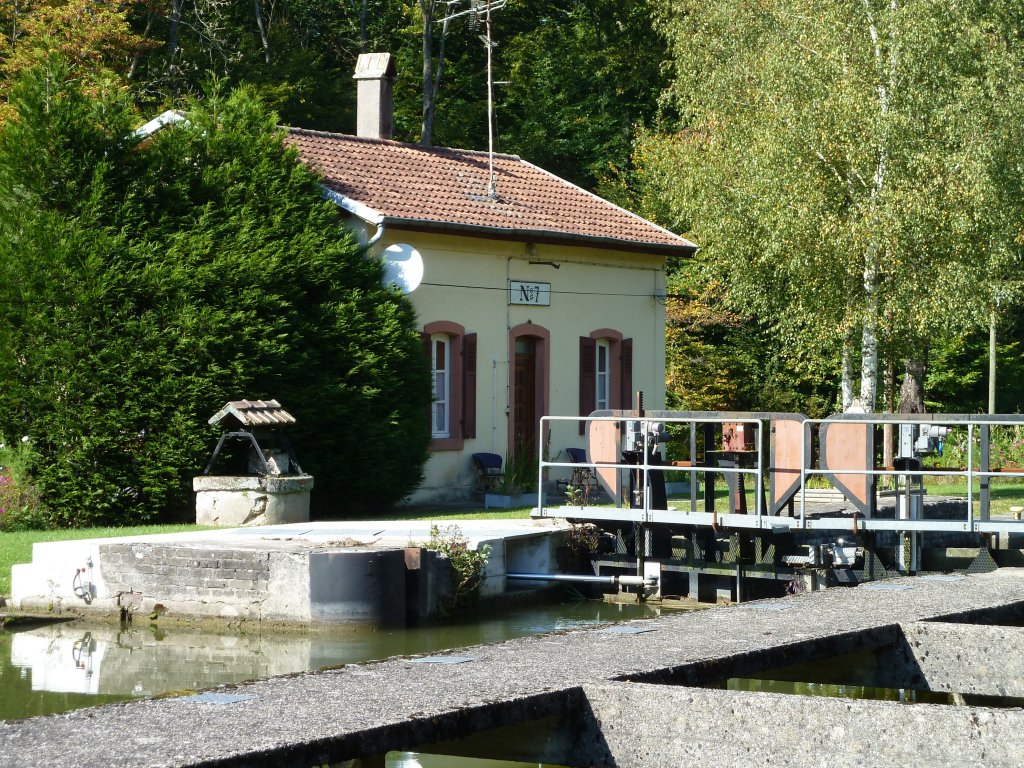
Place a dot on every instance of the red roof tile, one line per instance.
(437, 188)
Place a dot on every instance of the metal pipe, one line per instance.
(624, 580)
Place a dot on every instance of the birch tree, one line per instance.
(836, 161)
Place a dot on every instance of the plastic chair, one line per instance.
(582, 477)
(489, 474)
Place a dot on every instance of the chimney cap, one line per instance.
(374, 66)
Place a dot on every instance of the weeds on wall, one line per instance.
(468, 566)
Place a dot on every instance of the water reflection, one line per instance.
(66, 666)
(423, 760)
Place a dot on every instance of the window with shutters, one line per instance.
(606, 372)
(452, 355)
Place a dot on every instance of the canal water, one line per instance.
(857, 675)
(68, 666)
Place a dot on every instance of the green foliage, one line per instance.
(585, 539)
(957, 377)
(93, 37)
(581, 74)
(153, 283)
(520, 471)
(20, 505)
(718, 359)
(468, 565)
(577, 495)
(847, 170)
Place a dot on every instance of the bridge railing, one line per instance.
(636, 497)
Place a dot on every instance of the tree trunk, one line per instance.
(429, 92)
(869, 339)
(888, 454)
(885, 62)
(264, 39)
(138, 56)
(849, 372)
(364, 43)
(172, 36)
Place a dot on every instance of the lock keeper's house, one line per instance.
(536, 297)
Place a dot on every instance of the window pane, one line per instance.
(439, 413)
(602, 375)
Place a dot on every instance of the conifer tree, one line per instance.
(149, 282)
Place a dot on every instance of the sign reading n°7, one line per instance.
(537, 294)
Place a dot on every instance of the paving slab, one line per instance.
(368, 709)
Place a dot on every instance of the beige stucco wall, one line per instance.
(465, 281)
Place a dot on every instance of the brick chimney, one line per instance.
(375, 75)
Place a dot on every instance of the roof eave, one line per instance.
(684, 248)
(356, 208)
(364, 212)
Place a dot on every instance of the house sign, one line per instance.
(537, 294)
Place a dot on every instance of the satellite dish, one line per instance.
(403, 267)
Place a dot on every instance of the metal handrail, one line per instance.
(646, 467)
(759, 420)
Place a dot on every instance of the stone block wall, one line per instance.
(205, 581)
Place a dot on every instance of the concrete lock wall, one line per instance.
(645, 725)
(958, 658)
(258, 500)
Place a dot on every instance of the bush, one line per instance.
(20, 506)
(468, 566)
(151, 284)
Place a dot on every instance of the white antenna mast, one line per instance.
(475, 10)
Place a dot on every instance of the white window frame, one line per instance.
(442, 405)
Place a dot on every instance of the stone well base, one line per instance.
(260, 500)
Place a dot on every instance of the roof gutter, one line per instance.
(372, 216)
(356, 208)
(685, 248)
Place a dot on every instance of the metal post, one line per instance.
(709, 477)
(739, 567)
(972, 527)
(693, 463)
(803, 473)
(759, 481)
(640, 545)
(984, 461)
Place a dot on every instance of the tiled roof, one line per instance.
(253, 413)
(411, 186)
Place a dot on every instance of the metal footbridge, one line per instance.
(816, 492)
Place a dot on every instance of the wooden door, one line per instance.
(524, 396)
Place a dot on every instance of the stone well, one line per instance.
(264, 487)
(257, 500)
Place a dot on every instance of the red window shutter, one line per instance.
(425, 338)
(627, 373)
(588, 384)
(469, 385)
